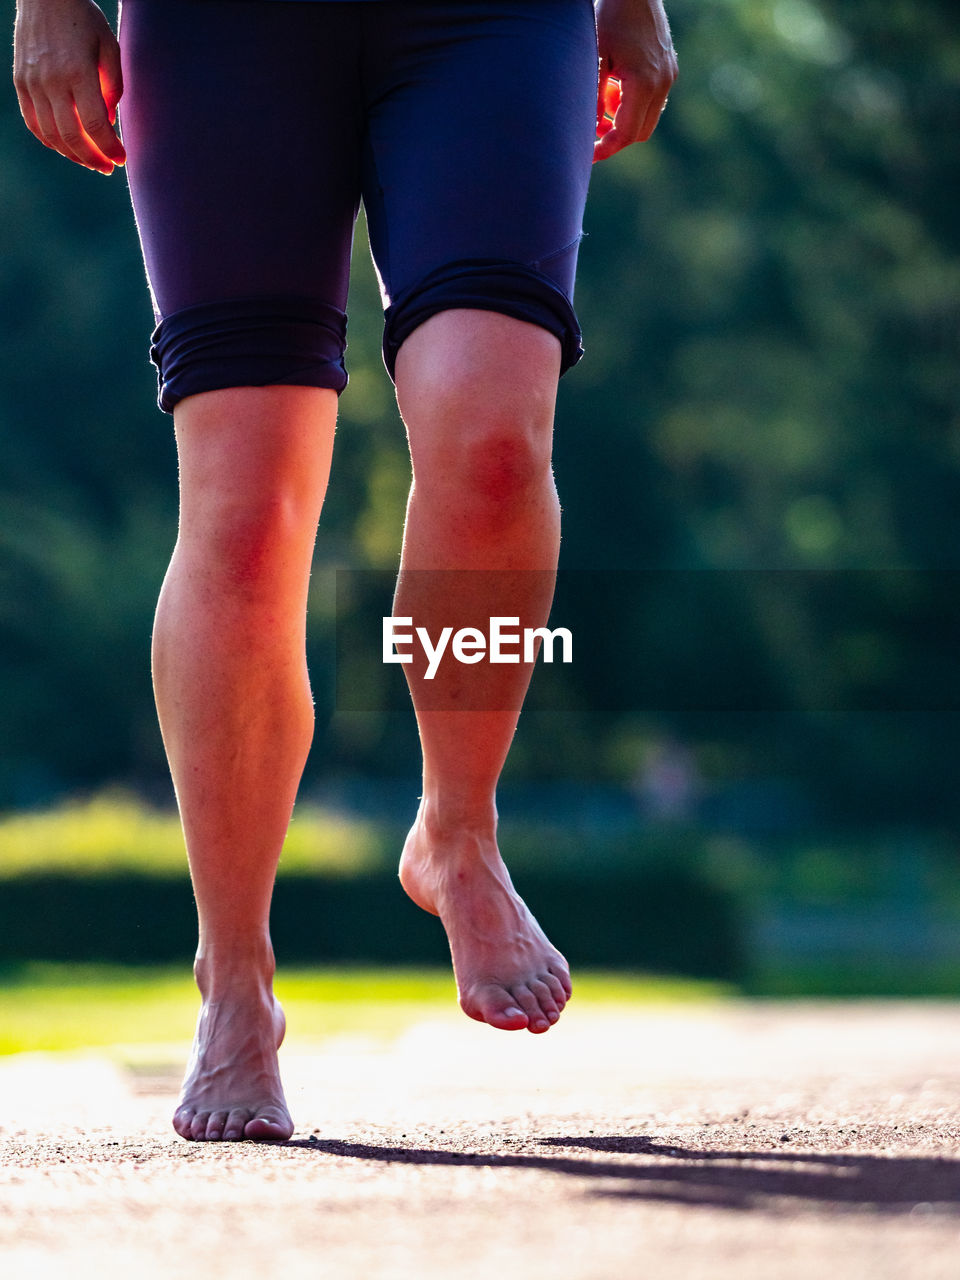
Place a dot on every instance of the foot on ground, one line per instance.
(232, 1087)
(507, 972)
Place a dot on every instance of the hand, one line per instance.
(66, 69)
(638, 66)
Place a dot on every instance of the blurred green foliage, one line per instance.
(116, 833)
(770, 293)
(106, 880)
(147, 1014)
(802, 913)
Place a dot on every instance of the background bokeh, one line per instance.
(753, 756)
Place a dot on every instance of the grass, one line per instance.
(62, 1007)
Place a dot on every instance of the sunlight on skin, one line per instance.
(607, 104)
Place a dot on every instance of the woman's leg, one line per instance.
(475, 213)
(237, 717)
(244, 171)
(477, 390)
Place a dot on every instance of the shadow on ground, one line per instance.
(719, 1178)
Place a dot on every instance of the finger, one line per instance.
(111, 77)
(652, 118)
(608, 146)
(631, 113)
(632, 108)
(608, 103)
(50, 128)
(638, 112)
(28, 111)
(78, 145)
(49, 132)
(602, 97)
(612, 96)
(660, 88)
(92, 113)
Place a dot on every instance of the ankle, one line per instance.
(224, 971)
(443, 820)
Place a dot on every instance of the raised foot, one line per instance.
(508, 973)
(232, 1088)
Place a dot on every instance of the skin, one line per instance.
(636, 52)
(66, 70)
(476, 391)
(482, 501)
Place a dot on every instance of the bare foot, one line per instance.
(507, 972)
(232, 1088)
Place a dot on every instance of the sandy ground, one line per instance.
(714, 1141)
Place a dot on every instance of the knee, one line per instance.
(489, 463)
(253, 464)
(480, 416)
(248, 545)
(504, 464)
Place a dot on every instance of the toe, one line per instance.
(497, 1006)
(548, 1006)
(215, 1126)
(270, 1124)
(556, 990)
(198, 1126)
(537, 1021)
(560, 970)
(234, 1124)
(512, 1018)
(182, 1120)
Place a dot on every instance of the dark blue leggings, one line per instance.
(254, 128)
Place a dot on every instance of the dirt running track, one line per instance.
(726, 1141)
